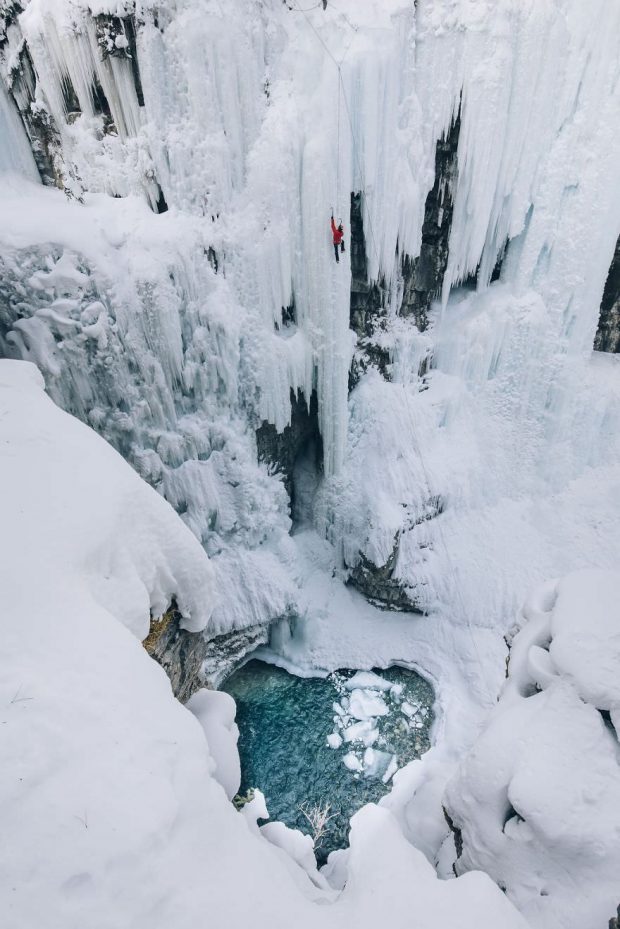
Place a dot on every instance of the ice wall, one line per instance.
(248, 124)
(15, 152)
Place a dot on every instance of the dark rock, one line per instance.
(423, 276)
(614, 922)
(161, 206)
(225, 653)
(367, 316)
(180, 653)
(192, 660)
(9, 11)
(378, 585)
(456, 832)
(607, 337)
(289, 314)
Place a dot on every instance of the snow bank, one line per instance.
(215, 711)
(102, 523)
(111, 814)
(537, 800)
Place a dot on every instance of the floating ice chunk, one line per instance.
(368, 680)
(365, 704)
(376, 762)
(363, 731)
(352, 762)
(369, 757)
(337, 708)
(334, 740)
(396, 691)
(391, 769)
(409, 709)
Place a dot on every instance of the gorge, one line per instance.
(276, 471)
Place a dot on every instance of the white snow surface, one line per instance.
(215, 711)
(112, 815)
(538, 797)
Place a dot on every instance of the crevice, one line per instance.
(457, 835)
(212, 258)
(160, 206)
(296, 452)
(100, 101)
(289, 314)
(608, 723)
(70, 98)
(607, 337)
(511, 815)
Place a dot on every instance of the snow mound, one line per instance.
(367, 680)
(537, 800)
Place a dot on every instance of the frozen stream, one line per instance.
(309, 742)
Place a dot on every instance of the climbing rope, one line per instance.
(339, 84)
(338, 146)
(295, 9)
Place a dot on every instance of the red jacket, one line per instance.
(337, 234)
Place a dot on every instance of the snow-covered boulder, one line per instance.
(537, 801)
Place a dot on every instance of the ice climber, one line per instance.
(338, 235)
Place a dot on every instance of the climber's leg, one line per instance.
(336, 252)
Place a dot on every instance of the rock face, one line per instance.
(368, 302)
(379, 587)
(607, 337)
(423, 276)
(377, 582)
(192, 660)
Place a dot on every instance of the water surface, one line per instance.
(284, 723)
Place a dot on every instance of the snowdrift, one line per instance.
(537, 800)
